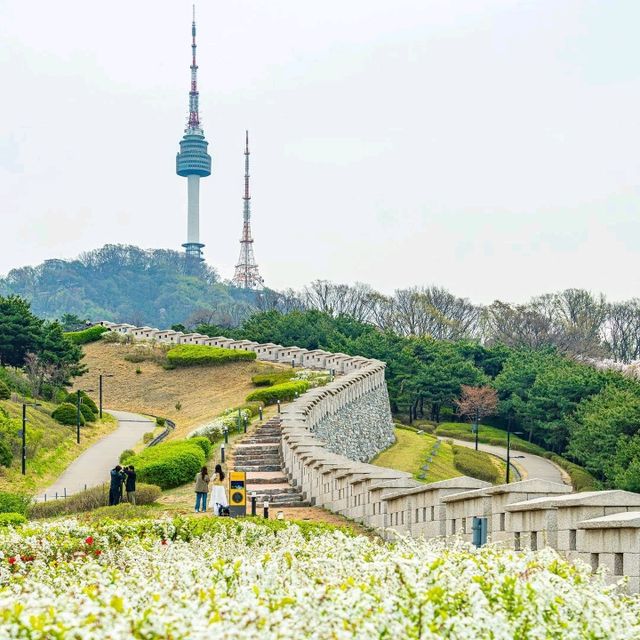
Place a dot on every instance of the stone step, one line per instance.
(280, 501)
(257, 477)
(274, 491)
(263, 451)
(256, 456)
(258, 467)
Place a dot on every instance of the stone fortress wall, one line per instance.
(330, 433)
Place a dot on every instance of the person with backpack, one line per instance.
(130, 484)
(202, 489)
(219, 500)
(115, 488)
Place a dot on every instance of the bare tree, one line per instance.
(622, 330)
(476, 403)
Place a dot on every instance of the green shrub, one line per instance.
(284, 391)
(5, 392)
(271, 378)
(90, 499)
(160, 422)
(187, 355)
(72, 398)
(6, 454)
(171, 464)
(66, 413)
(135, 357)
(14, 503)
(92, 334)
(476, 464)
(147, 437)
(86, 412)
(581, 479)
(204, 444)
(126, 455)
(11, 519)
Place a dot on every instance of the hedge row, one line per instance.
(581, 479)
(476, 464)
(188, 355)
(284, 391)
(173, 463)
(88, 500)
(14, 502)
(11, 519)
(92, 334)
(274, 377)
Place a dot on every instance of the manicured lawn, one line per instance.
(410, 453)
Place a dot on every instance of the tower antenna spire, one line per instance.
(193, 162)
(246, 275)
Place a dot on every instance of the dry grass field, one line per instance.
(201, 392)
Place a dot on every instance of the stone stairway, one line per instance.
(259, 455)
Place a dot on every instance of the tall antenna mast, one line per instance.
(246, 275)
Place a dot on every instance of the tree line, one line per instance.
(574, 321)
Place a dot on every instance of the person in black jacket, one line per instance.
(115, 488)
(130, 483)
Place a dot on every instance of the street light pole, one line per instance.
(78, 400)
(508, 447)
(477, 427)
(24, 439)
(103, 375)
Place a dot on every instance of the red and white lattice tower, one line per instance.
(246, 275)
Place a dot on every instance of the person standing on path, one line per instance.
(218, 494)
(115, 488)
(130, 484)
(202, 489)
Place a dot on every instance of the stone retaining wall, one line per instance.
(330, 432)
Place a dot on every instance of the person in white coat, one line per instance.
(218, 493)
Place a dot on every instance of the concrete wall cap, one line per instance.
(612, 498)
(624, 520)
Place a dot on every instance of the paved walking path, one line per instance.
(534, 466)
(91, 468)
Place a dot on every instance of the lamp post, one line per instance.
(78, 414)
(509, 447)
(476, 426)
(103, 375)
(24, 433)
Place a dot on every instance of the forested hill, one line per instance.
(128, 284)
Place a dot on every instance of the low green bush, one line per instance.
(160, 421)
(72, 398)
(273, 377)
(6, 454)
(90, 499)
(476, 464)
(126, 455)
(147, 437)
(187, 355)
(87, 414)
(204, 444)
(5, 392)
(92, 334)
(581, 479)
(14, 502)
(284, 391)
(170, 464)
(67, 414)
(11, 519)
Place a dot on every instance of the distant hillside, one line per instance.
(128, 284)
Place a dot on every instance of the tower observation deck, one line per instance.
(192, 161)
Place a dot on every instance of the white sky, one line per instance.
(487, 146)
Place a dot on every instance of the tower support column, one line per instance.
(193, 214)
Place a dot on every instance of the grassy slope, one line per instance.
(54, 447)
(203, 392)
(411, 451)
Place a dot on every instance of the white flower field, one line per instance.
(216, 578)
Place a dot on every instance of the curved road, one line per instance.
(534, 466)
(91, 468)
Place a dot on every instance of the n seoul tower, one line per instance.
(192, 161)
